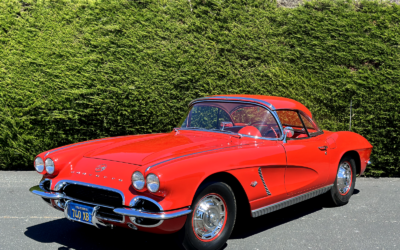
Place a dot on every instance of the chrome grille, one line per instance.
(93, 195)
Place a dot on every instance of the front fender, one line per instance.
(180, 179)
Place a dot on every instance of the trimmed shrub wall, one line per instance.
(77, 70)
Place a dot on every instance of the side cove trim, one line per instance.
(263, 181)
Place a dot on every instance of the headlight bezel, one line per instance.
(152, 183)
(49, 166)
(139, 178)
(38, 165)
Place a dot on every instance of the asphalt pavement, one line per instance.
(371, 220)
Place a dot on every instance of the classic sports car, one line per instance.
(262, 153)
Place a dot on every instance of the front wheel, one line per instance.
(343, 186)
(213, 218)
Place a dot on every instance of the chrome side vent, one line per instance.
(263, 181)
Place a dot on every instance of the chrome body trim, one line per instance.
(133, 219)
(43, 181)
(250, 101)
(271, 110)
(235, 134)
(87, 202)
(61, 183)
(133, 203)
(130, 225)
(263, 181)
(95, 221)
(166, 215)
(290, 201)
(285, 133)
(232, 98)
(215, 149)
(66, 206)
(131, 212)
(39, 190)
(137, 198)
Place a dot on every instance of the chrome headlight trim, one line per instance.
(39, 164)
(49, 164)
(153, 183)
(138, 180)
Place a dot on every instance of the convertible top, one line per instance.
(273, 102)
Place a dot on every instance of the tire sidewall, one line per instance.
(338, 198)
(190, 240)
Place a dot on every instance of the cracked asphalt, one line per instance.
(371, 220)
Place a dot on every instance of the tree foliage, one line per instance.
(78, 70)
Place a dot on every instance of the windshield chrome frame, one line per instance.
(206, 99)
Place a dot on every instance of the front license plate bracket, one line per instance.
(79, 212)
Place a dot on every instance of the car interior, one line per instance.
(243, 118)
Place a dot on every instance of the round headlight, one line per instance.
(39, 165)
(49, 164)
(152, 183)
(138, 180)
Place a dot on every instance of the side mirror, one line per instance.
(226, 125)
(288, 132)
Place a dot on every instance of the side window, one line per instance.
(257, 117)
(311, 126)
(290, 118)
(247, 115)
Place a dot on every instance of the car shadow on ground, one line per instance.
(73, 235)
(251, 226)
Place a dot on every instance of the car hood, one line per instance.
(142, 152)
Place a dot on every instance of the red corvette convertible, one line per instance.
(263, 152)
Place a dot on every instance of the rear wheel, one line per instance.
(213, 218)
(343, 186)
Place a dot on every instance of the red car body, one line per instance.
(272, 173)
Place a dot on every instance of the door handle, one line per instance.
(323, 148)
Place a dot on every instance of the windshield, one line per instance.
(229, 117)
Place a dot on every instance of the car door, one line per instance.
(307, 155)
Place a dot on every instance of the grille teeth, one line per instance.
(262, 179)
(93, 195)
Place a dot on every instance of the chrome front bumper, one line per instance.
(130, 212)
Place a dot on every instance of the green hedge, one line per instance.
(77, 70)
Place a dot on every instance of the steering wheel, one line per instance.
(271, 129)
(253, 123)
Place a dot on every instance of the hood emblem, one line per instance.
(101, 167)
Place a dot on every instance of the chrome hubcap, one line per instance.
(209, 217)
(344, 178)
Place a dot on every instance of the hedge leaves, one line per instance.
(78, 70)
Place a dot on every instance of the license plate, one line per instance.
(81, 213)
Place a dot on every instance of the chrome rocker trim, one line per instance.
(289, 202)
(131, 212)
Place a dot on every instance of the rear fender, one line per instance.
(346, 142)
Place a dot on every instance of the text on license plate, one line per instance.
(80, 212)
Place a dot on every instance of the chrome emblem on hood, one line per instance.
(101, 167)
